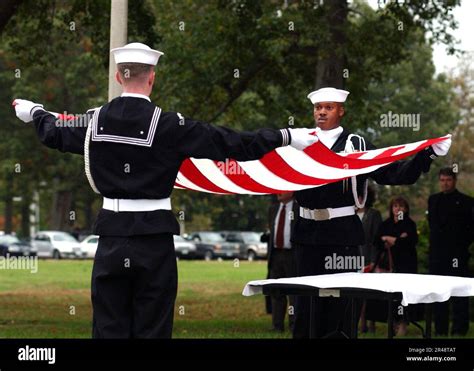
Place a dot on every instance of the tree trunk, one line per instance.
(330, 68)
(88, 213)
(25, 211)
(9, 203)
(61, 208)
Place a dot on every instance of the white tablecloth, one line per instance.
(415, 288)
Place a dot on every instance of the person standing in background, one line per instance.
(398, 235)
(281, 256)
(451, 221)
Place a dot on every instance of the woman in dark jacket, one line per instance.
(398, 233)
(396, 244)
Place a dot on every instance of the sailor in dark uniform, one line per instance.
(327, 222)
(132, 153)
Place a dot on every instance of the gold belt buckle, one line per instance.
(321, 214)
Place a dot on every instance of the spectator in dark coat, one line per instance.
(396, 241)
(281, 255)
(451, 220)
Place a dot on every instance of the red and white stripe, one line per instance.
(287, 169)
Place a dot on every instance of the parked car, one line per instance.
(89, 246)
(57, 245)
(250, 247)
(210, 245)
(184, 249)
(12, 245)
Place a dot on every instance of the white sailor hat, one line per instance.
(328, 95)
(136, 53)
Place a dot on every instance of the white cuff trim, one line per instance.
(286, 137)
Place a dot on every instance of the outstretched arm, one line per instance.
(404, 172)
(62, 132)
(202, 140)
(408, 171)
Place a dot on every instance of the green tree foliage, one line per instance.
(56, 53)
(462, 153)
(246, 64)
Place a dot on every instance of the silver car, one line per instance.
(184, 249)
(57, 245)
(212, 245)
(89, 246)
(250, 247)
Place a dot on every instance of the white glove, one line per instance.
(24, 109)
(442, 148)
(302, 138)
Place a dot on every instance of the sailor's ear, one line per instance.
(151, 79)
(341, 110)
(118, 77)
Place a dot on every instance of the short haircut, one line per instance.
(399, 201)
(339, 104)
(134, 71)
(447, 171)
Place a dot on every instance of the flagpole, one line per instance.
(118, 38)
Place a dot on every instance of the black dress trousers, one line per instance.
(134, 285)
(332, 315)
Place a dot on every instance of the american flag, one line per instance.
(287, 169)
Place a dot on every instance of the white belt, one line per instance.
(326, 214)
(120, 204)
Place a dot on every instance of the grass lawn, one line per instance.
(55, 302)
